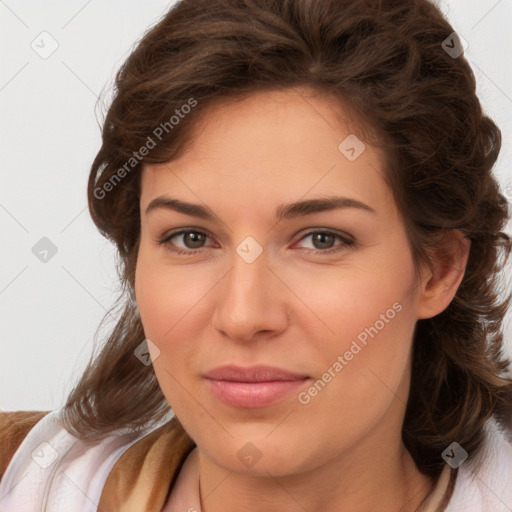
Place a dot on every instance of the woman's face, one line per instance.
(255, 285)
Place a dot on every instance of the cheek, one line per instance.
(367, 313)
(165, 295)
(172, 302)
(356, 299)
(164, 298)
(362, 365)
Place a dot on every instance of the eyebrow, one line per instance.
(282, 212)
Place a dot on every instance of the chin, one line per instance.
(252, 451)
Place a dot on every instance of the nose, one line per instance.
(250, 301)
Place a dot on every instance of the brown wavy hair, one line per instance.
(383, 59)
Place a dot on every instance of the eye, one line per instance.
(192, 239)
(324, 241)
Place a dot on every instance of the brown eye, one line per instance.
(191, 241)
(325, 241)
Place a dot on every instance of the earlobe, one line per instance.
(440, 284)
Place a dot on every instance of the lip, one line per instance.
(254, 386)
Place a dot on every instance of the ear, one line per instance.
(439, 282)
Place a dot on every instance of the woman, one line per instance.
(310, 239)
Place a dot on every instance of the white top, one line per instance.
(489, 490)
(53, 471)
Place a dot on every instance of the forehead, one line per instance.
(277, 144)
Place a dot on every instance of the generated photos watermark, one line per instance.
(304, 397)
(144, 150)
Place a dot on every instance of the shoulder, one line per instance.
(124, 469)
(142, 476)
(486, 486)
(14, 427)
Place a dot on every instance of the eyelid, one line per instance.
(346, 240)
(165, 239)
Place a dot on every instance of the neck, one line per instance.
(386, 479)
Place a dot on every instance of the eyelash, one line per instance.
(346, 242)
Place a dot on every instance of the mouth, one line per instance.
(252, 387)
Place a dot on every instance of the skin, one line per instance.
(293, 307)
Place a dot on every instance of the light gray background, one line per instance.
(49, 136)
